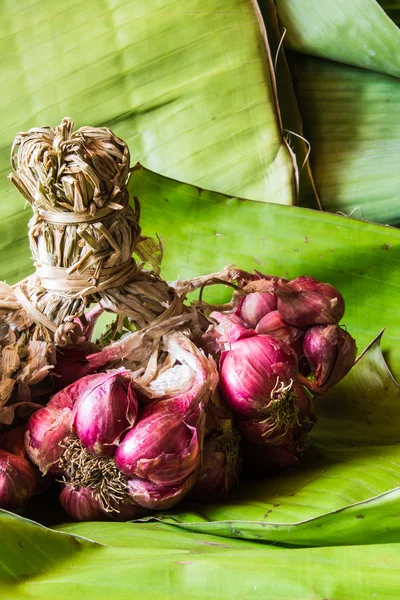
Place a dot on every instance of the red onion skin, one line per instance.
(216, 477)
(106, 409)
(266, 431)
(330, 352)
(230, 328)
(51, 425)
(271, 453)
(17, 480)
(46, 430)
(249, 371)
(255, 306)
(305, 301)
(189, 401)
(259, 431)
(80, 504)
(13, 441)
(161, 448)
(273, 324)
(159, 497)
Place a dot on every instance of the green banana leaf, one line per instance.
(149, 561)
(350, 120)
(188, 86)
(191, 87)
(353, 32)
(348, 101)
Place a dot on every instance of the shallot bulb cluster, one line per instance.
(281, 336)
(273, 413)
(120, 457)
(304, 314)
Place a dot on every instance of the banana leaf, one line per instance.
(187, 85)
(353, 32)
(191, 87)
(346, 69)
(150, 561)
(350, 119)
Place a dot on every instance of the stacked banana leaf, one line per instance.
(230, 97)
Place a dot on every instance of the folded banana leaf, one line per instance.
(150, 561)
(187, 85)
(346, 69)
(191, 86)
(157, 561)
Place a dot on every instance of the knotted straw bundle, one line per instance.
(82, 236)
(83, 231)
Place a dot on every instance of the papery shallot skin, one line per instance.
(255, 306)
(161, 448)
(159, 497)
(219, 470)
(45, 432)
(81, 505)
(187, 385)
(230, 328)
(304, 302)
(269, 446)
(104, 410)
(50, 426)
(260, 431)
(18, 480)
(273, 324)
(330, 352)
(250, 371)
(269, 431)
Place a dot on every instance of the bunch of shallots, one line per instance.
(122, 443)
(164, 406)
(278, 343)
